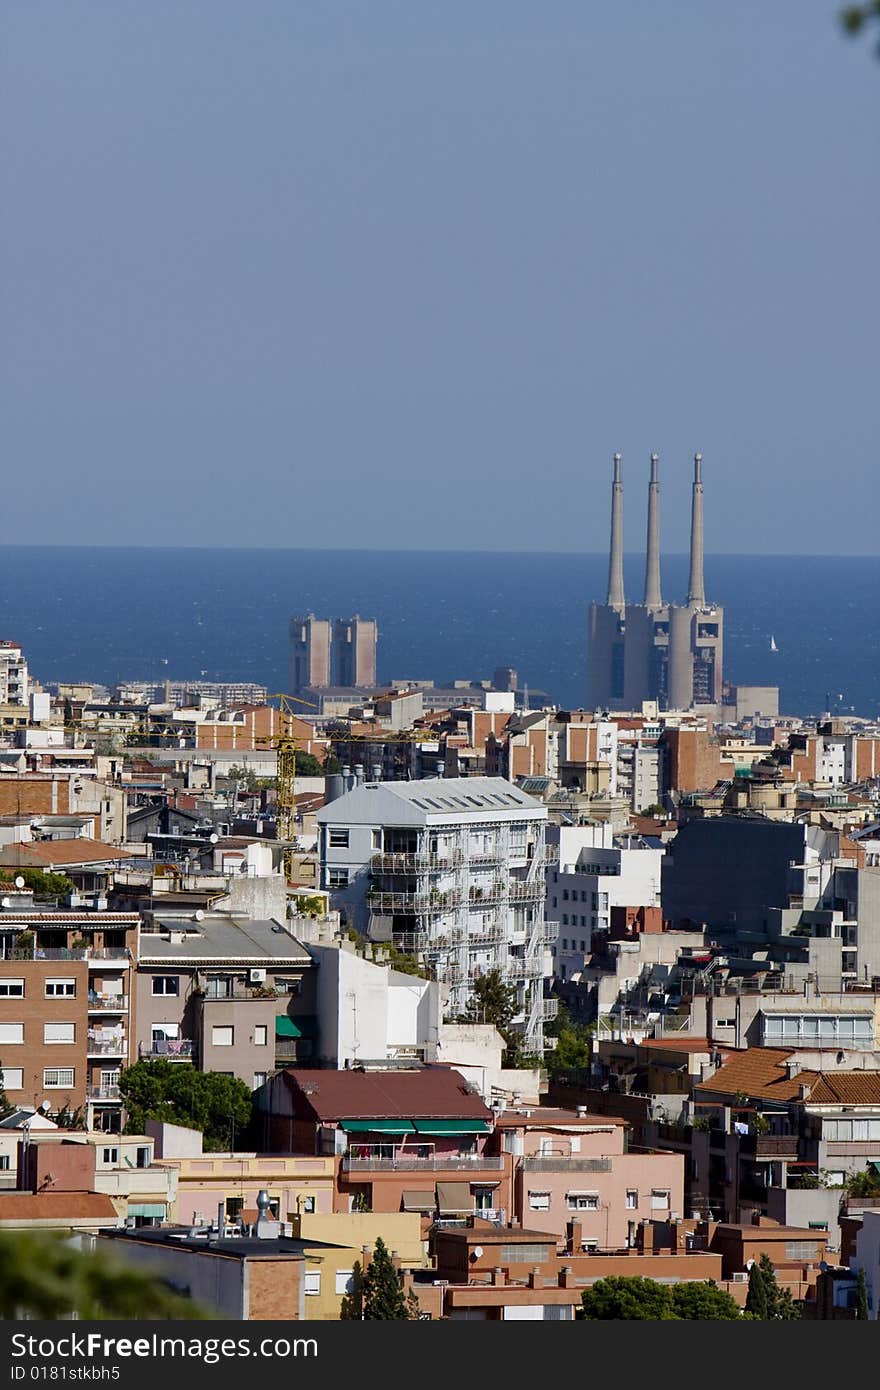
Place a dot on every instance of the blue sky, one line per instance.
(393, 274)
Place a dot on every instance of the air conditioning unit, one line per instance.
(740, 1277)
(257, 977)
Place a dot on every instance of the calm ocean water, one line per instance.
(111, 614)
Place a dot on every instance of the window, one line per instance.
(161, 1032)
(166, 984)
(377, 839)
(337, 878)
(11, 1032)
(11, 1078)
(11, 989)
(144, 1156)
(57, 1078)
(338, 839)
(565, 895)
(61, 989)
(632, 1199)
(306, 1204)
(524, 1254)
(582, 1201)
(110, 1155)
(565, 919)
(261, 1034)
(259, 1079)
(222, 1035)
(58, 1033)
(539, 1201)
(4, 1163)
(659, 1200)
(801, 1250)
(313, 1281)
(344, 1281)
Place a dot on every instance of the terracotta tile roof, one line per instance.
(758, 1071)
(428, 1093)
(842, 1087)
(39, 854)
(57, 1206)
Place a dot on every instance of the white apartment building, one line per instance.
(452, 869)
(13, 675)
(597, 870)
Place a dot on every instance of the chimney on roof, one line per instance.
(696, 587)
(652, 556)
(804, 1092)
(615, 598)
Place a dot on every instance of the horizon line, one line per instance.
(432, 550)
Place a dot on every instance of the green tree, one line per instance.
(43, 884)
(621, 1298)
(307, 764)
(331, 764)
(703, 1301)
(178, 1094)
(861, 1297)
(43, 1276)
(780, 1304)
(756, 1298)
(383, 1297)
(492, 1001)
(863, 1184)
(574, 1044)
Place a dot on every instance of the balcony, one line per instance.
(411, 904)
(550, 1008)
(552, 1163)
(528, 892)
(773, 1146)
(415, 863)
(551, 933)
(117, 953)
(108, 1003)
(172, 1049)
(491, 893)
(97, 1094)
(404, 1163)
(107, 1047)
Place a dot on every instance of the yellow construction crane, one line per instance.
(285, 773)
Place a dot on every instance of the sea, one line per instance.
(111, 614)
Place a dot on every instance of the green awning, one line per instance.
(376, 1126)
(147, 1209)
(452, 1126)
(286, 1028)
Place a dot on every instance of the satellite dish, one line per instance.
(823, 1265)
(477, 1251)
(749, 1263)
(200, 916)
(19, 881)
(212, 839)
(5, 902)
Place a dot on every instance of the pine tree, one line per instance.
(861, 1297)
(351, 1308)
(383, 1290)
(780, 1305)
(756, 1298)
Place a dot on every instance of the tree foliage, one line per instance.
(383, 1296)
(574, 1044)
(41, 883)
(307, 765)
(621, 1298)
(43, 1276)
(766, 1301)
(861, 1297)
(703, 1301)
(178, 1094)
(492, 1001)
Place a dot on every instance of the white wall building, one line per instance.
(13, 675)
(596, 871)
(452, 869)
(371, 1013)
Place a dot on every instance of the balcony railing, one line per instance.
(107, 1047)
(551, 1008)
(784, 1146)
(410, 1163)
(108, 1003)
(412, 904)
(528, 892)
(172, 1049)
(551, 1163)
(98, 1093)
(414, 863)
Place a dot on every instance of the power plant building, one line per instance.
(327, 654)
(668, 653)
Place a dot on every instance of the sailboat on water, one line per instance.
(773, 646)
